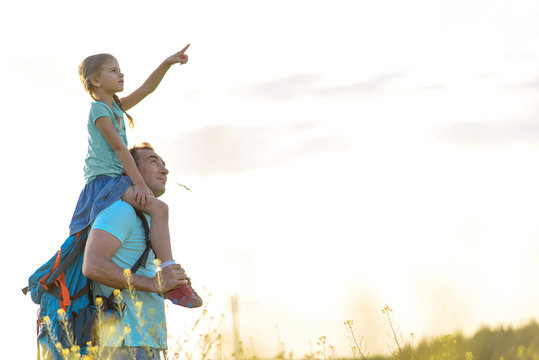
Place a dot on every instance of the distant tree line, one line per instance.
(487, 343)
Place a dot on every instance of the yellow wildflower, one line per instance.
(61, 313)
(99, 301)
(92, 349)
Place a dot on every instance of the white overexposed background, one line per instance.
(342, 156)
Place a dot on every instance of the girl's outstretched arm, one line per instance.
(154, 79)
(142, 193)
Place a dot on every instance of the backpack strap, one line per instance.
(144, 257)
(56, 277)
(49, 279)
(55, 283)
(108, 302)
(59, 269)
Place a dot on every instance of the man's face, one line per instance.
(153, 170)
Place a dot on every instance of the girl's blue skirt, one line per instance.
(96, 196)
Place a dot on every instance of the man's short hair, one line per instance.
(142, 146)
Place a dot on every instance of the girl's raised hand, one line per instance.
(179, 57)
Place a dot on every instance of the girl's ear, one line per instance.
(95, 81)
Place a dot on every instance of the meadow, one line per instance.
(203, 340)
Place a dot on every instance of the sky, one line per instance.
(341, 155)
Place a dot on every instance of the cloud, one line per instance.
(376, 85)
(282, 89)
(430, 87)
(525, 85)
(308, 84)
(221, 149)
(489, 134)
(34, 69)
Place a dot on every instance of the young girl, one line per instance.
(108, 158)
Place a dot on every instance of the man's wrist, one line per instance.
(157, 284)
(144, 283)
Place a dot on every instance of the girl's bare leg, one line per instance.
(159, 231)
(160, 238)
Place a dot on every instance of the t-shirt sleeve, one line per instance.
(98, 110)
(119, 220)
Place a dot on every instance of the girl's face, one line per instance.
(110, 79)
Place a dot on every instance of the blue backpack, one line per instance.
(60, 284)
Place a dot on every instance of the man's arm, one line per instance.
(97, 265)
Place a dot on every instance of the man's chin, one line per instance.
(158, 193)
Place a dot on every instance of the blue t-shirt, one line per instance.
(101, 158)
(146, 322)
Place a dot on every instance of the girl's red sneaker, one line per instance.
(184, 296)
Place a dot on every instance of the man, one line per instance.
(115, 242)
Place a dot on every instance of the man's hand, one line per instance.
(169, 278)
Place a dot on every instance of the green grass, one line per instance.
(203, 341)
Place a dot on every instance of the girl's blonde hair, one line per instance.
(92, 66)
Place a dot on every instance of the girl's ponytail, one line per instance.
(119, 103)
